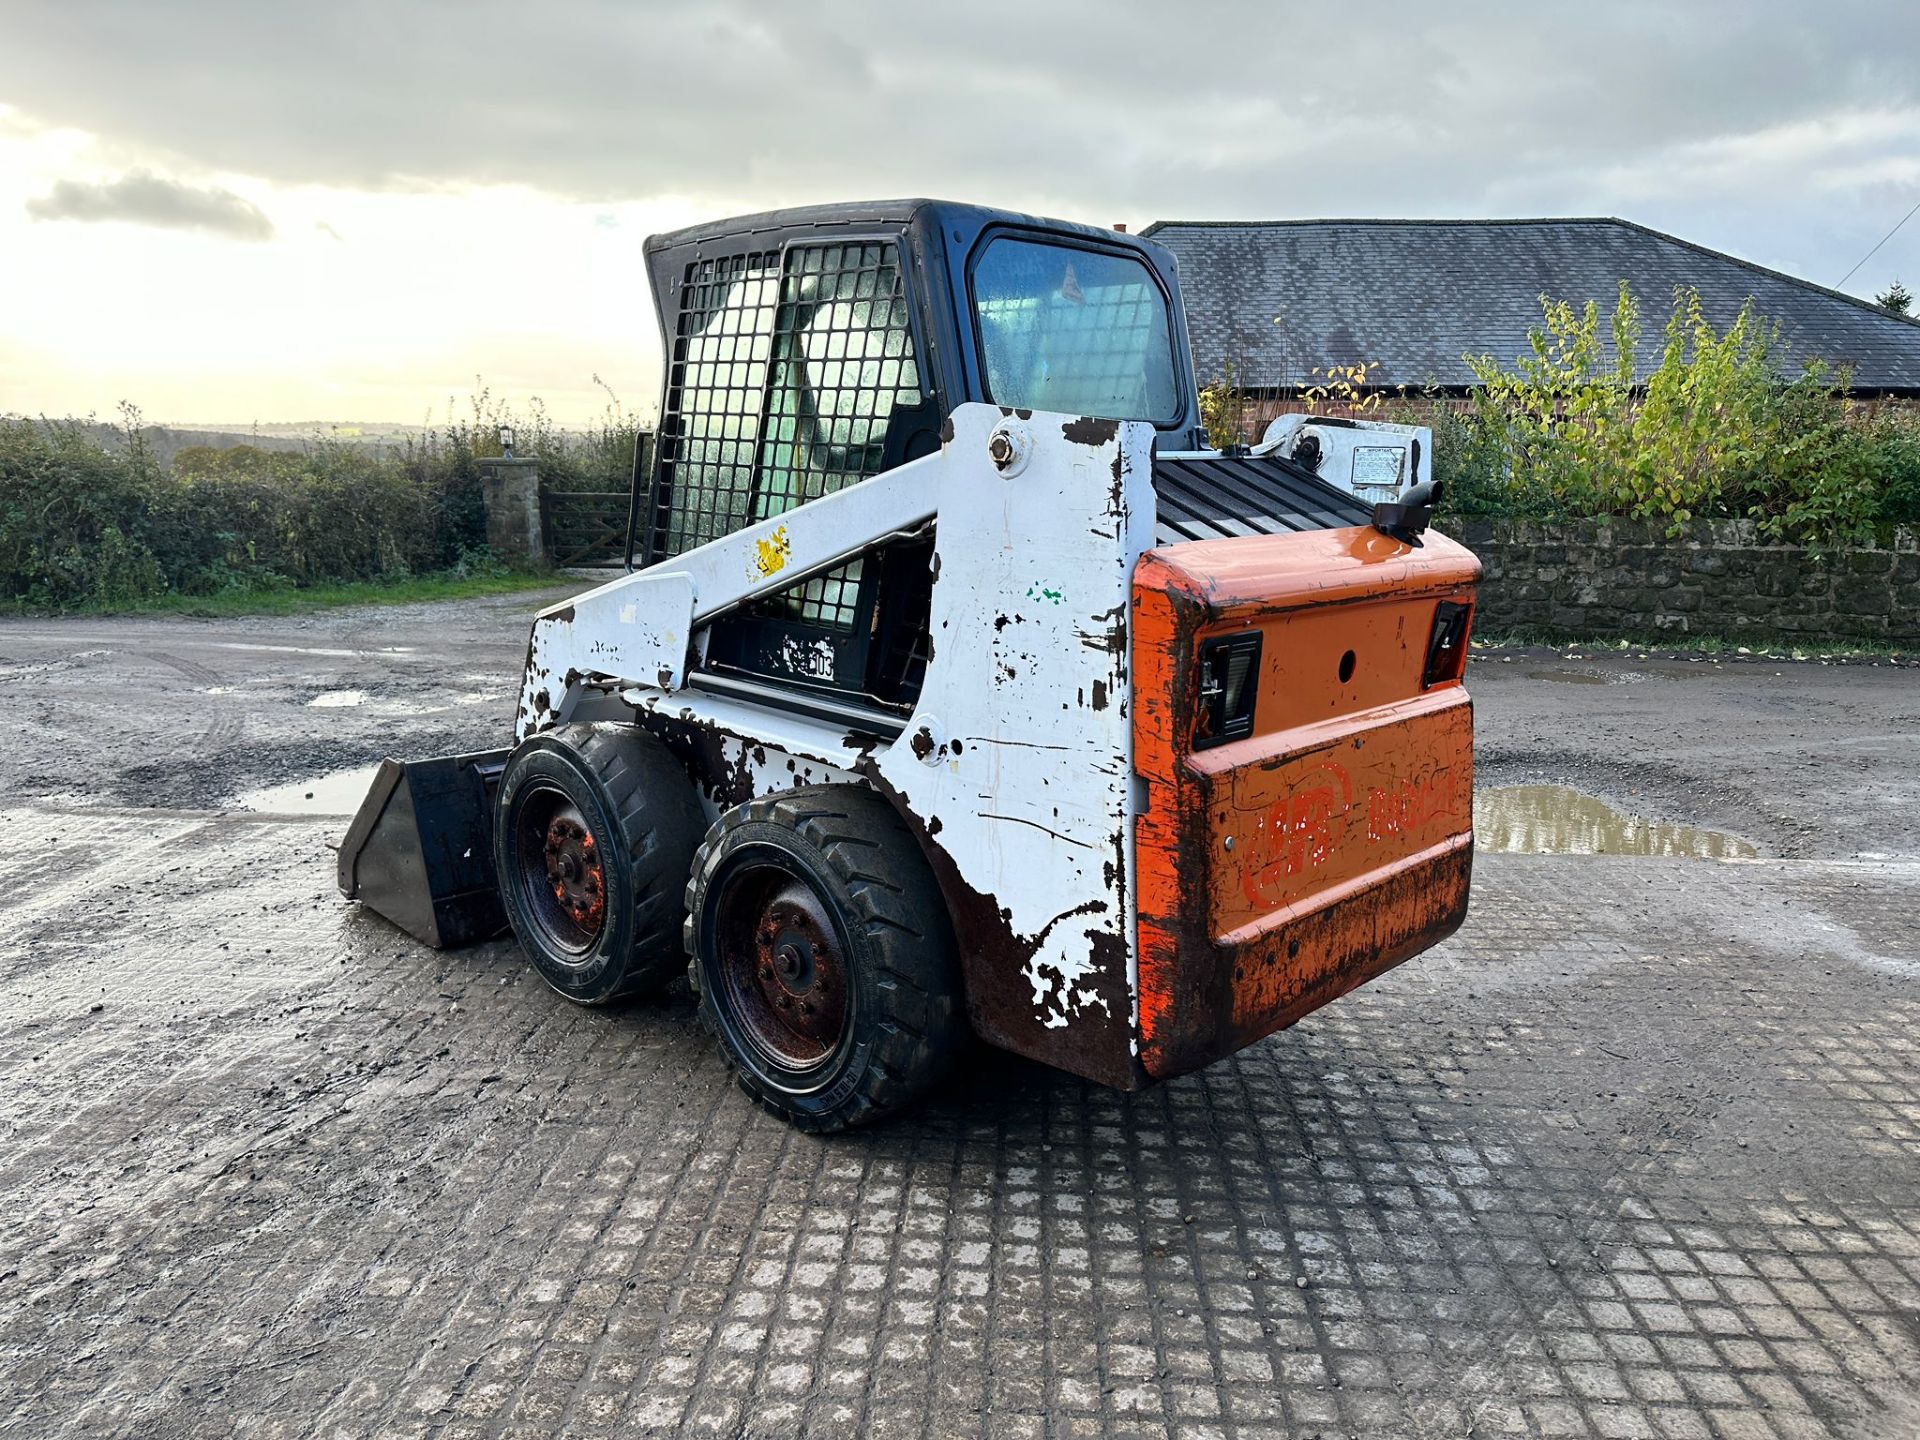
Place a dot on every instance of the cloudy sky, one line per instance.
(231, 211)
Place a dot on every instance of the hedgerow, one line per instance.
(82, 525)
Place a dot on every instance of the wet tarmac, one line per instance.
(338, 793)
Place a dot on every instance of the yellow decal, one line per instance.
(771, 554)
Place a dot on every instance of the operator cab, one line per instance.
(807, 350)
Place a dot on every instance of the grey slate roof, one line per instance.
(1416, 295)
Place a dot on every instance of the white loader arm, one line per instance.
(637, 630)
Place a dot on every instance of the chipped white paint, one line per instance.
(812, 658)
(1032, 695)
(1019, 757)
(774, 749)
(640, 627)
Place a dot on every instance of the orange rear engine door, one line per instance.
(1324, 834)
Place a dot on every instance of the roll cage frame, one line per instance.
(875, 654)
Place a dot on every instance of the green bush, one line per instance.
(85, 526)
(1715, 429)
(72, 518)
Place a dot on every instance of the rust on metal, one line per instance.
(994, 958)
(780, 959)
(1279, 871)
(574, 871)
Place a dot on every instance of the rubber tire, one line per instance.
(907, 1021)
(646, 818)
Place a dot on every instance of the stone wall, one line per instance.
(1603, 578)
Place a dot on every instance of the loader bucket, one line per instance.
(420, 848)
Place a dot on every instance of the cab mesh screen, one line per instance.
(784, 376)
(716, 382)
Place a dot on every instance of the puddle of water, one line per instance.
(1555, 820)
(312, 649)
(1568, 677)
(337, 794)
(337, 699)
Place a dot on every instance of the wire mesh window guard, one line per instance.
(785, 374)
(715, 386)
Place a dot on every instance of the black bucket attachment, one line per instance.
(420, 849)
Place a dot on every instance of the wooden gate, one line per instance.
(586, 528)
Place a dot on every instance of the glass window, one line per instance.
(1081, 332)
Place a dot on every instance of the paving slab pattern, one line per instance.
(1633, 1155)
(1637, 1153)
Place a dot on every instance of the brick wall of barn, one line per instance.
(1259, 409)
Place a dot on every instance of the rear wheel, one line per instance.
(823, 956)
(595, 828)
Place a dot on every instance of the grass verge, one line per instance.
(285, 600)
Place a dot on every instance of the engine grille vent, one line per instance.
(1217, 499)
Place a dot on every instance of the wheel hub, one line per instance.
(783, 967)
(573, 872)
(562, 872)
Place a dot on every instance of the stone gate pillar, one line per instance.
(511, 490)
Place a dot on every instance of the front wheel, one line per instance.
(595, 828)
(823, 956)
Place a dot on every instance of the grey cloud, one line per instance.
(621, 99)
(1132, 109)
(142, 198)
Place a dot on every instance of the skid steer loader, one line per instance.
(955, 685)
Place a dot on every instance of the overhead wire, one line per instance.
(1883, 240)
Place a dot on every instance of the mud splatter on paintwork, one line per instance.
(1243, 846)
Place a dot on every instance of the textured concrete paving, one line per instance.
(1637, 1153)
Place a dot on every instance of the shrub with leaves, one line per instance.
(85, 526)
(73, 518)
(1344, 390)
(1223, 409)
(1713, 428)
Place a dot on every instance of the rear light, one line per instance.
(1229, 684)
(1447, 646)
